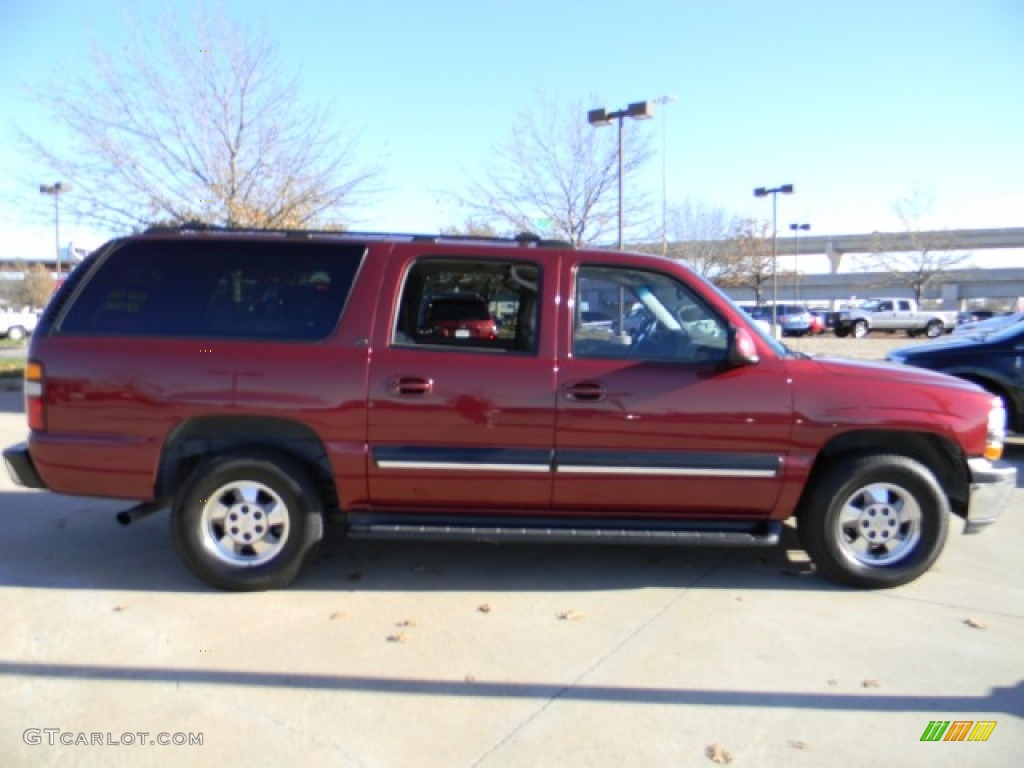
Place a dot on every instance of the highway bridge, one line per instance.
(834, 246)
(955, 290)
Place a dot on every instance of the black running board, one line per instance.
(761, 534)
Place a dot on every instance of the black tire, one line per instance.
(874, 522)
(841, 333)
(934, 329)
(247, 520)
(860, 329)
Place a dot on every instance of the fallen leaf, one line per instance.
(470, 678)
(118, 608)
(337, 615)
(485, 608)
(400, 637)
(833, 682)
(571, 615)
(976, 623)
(870, 684)
(406, 623)
(717, 754)
(798, 744)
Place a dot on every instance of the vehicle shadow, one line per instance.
(60, 542)
(57, 542)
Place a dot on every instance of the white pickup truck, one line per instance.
(16, 324)
(892, 315)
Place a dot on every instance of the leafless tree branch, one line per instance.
(199, 123)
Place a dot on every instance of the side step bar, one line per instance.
(748, 535)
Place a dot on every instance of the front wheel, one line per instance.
(860, 329)
(247, 520)
(17, 333)
(873, 522)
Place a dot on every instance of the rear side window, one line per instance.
(229, 289)
(472, 303)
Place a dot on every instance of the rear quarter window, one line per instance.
(244, 290)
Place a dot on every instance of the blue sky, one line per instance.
(858, 104)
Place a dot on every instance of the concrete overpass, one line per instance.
(834, 246)
(955, 290)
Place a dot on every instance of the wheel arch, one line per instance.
(940, 455)
(198, 439)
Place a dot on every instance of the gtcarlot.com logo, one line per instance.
(58, 736)
(958, 730)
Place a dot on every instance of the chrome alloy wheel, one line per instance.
(879, 525)
(244, 523)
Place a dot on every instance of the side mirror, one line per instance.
(742, 349)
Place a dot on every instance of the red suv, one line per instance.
(459, 316)
(261, 383)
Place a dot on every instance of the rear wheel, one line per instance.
(933, 330)
(247, 520)
(874, 522)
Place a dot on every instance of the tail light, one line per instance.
(35, 409)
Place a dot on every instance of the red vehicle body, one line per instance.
(696, 430)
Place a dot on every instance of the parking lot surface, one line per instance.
(402, 654)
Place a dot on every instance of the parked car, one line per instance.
(458, 316)
(991, 360)
(792, 319)
(891, 315)
(758, 315)
(973, 316)
(16, 324)
(598, 322)
(260, 385)
(988, 326)
(817, 322)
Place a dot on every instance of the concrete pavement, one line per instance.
(420, 654)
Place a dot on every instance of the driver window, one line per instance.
(635, 314)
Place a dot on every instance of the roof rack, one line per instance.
(527, 239)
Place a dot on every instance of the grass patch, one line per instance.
(12, 369)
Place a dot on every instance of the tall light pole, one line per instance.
(668, 99)
(796, 257)
(638, 110)
(786, 189)
(56, 190)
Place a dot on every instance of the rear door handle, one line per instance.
(586, 391)
(410, 385)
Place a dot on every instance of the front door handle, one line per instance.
(410, 385)
(586, 391)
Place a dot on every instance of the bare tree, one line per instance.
(558, 174)
(471, 228)
(35, 288)
(199, 122)
(701, 236)
(751, 257)
(932, 253)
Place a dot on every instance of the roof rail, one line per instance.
(527, 239)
